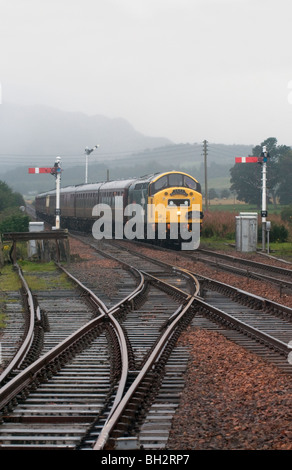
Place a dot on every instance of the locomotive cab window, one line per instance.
(160, 184)
(190, 183)
(173, 180)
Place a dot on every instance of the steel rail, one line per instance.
(117, 330)
(98, 303)
(35, 314)
(255, 275)
(261, 300)
(121, 398)
(249, 274)
(274, 280)
(130, 297)
(155, 354)
(137, 273)
(26, 343)
(175, 290)
(25, 378)
(243, 327)
(280, 346)
(265, 303)
(192, 275)
(116, 327)
(30, 373)
(182, 271)
(255, 264)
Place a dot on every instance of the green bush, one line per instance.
(218, 224)
(9, 198)
(15, 223)
(278, 233)
(286, 214)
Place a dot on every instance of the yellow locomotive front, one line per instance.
(175, 207)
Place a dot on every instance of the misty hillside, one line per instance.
(42, 133)
(35, 135)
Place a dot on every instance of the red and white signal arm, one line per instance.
(246, 159)
(38, 170)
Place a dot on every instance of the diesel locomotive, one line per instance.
(152, 206)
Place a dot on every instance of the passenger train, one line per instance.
(165, 200)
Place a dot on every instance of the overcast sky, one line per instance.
(187, 70)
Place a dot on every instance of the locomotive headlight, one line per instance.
(178, 212)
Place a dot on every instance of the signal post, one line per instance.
(263, 161)
(55, 171)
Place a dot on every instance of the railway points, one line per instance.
(115, 287)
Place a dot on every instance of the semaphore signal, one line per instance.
(55, 171)
(39, 170)
(246, 159)
(263, 159)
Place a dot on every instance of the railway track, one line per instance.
(52, 403)
(260, 326)
(45, 321)
(262, 321)
(269, 273)
(49, 403)
(108, 385)
(11, 335)
(143, 325)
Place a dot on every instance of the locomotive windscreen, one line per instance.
(173, 180)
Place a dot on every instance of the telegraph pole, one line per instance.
(206, 178)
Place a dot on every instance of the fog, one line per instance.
(185, 70)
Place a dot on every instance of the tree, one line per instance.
(8, 198)
(212, 193)
(246, 179)
(277, 154)
(285, 177)
(15, 223)
(246, 182)
(11, 218)
(225, 193)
